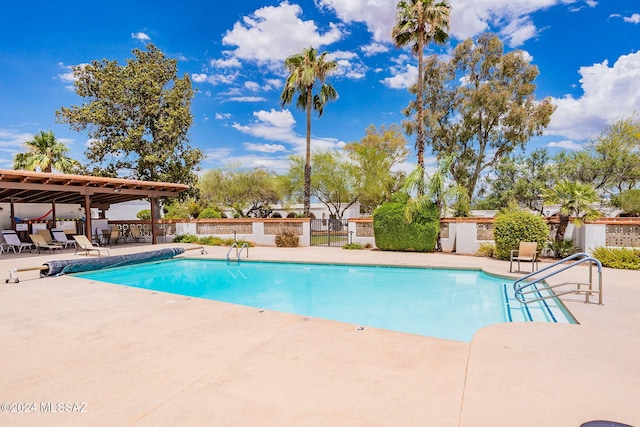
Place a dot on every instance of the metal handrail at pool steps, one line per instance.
(524, 288)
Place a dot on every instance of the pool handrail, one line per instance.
(519, 286)
(238, 251)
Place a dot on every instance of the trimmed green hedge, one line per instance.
(623, 258)
(514, 227)
(392, 233)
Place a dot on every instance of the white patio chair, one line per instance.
(13, 241)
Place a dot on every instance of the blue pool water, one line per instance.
(442, 303)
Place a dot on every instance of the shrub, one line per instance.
(211, 241)
(352, 246)
(186, 238)
(393, 233)
(623, 258)
(513, 227)
(487, 249)
(562, 248)
(287, 240)
(209, 213)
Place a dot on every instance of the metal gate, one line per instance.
(329, 232)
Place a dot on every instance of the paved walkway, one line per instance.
(127, 356)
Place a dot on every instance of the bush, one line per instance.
(209, 240)
(514, 227)
(623, 258)
(352, 246)
(287, 240)
(186, 238)
(209, 213)
(393, 233)
(562, 248)
(487, 249)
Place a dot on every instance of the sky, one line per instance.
(587, 52)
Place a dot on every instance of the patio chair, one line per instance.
(46, 235)
(527, 251)
(61, 238)
(41, 243)
(115, 235)
(13, 241)
(85, 245)
(135, 234)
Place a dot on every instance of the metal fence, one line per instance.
(329, 232)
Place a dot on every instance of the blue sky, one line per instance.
(588, 53)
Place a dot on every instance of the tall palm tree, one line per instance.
(574, 199)
(420, 22)
(45, 153)
(305, 69)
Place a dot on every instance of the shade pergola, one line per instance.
(17, 186)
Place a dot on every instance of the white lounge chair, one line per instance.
(41, 243)
(13, 241)
(60, 237)
(85, 245)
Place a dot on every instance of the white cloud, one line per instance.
(374, 48)
(199, 78)
(278, 125)
(11, 139)
(349, 64)
(633, 19)
(272, 33)
(229, 62)
(215, 79)
(402, 77)
(565, 145)
(140, 36)
(223, 116)
(511, 18)
(247, 99)
(264, 148)
(252, 86)
(610, 93)
(378, 15)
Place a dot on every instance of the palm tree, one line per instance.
(438, 192)
(45, 153)
(574, 199)
(420, 22)
(305, 69)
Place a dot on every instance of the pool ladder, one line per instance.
(522, 288)
(238, 251)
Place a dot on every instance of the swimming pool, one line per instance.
(443, 303)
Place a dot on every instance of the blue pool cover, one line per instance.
(58, 267)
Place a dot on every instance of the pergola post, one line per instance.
(87, 216)
(154, 219)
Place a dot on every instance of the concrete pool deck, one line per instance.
(127, 356)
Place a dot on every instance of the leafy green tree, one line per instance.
(574, 199)
(376, 154)
(481, 106)
(610, 162)
(519, 179)
(305, 69)
(629, 201)
(335, 181)
(138, 116)
(45, 153)
(418, 23)
(249, 193)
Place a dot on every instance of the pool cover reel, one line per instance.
(56, 268)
